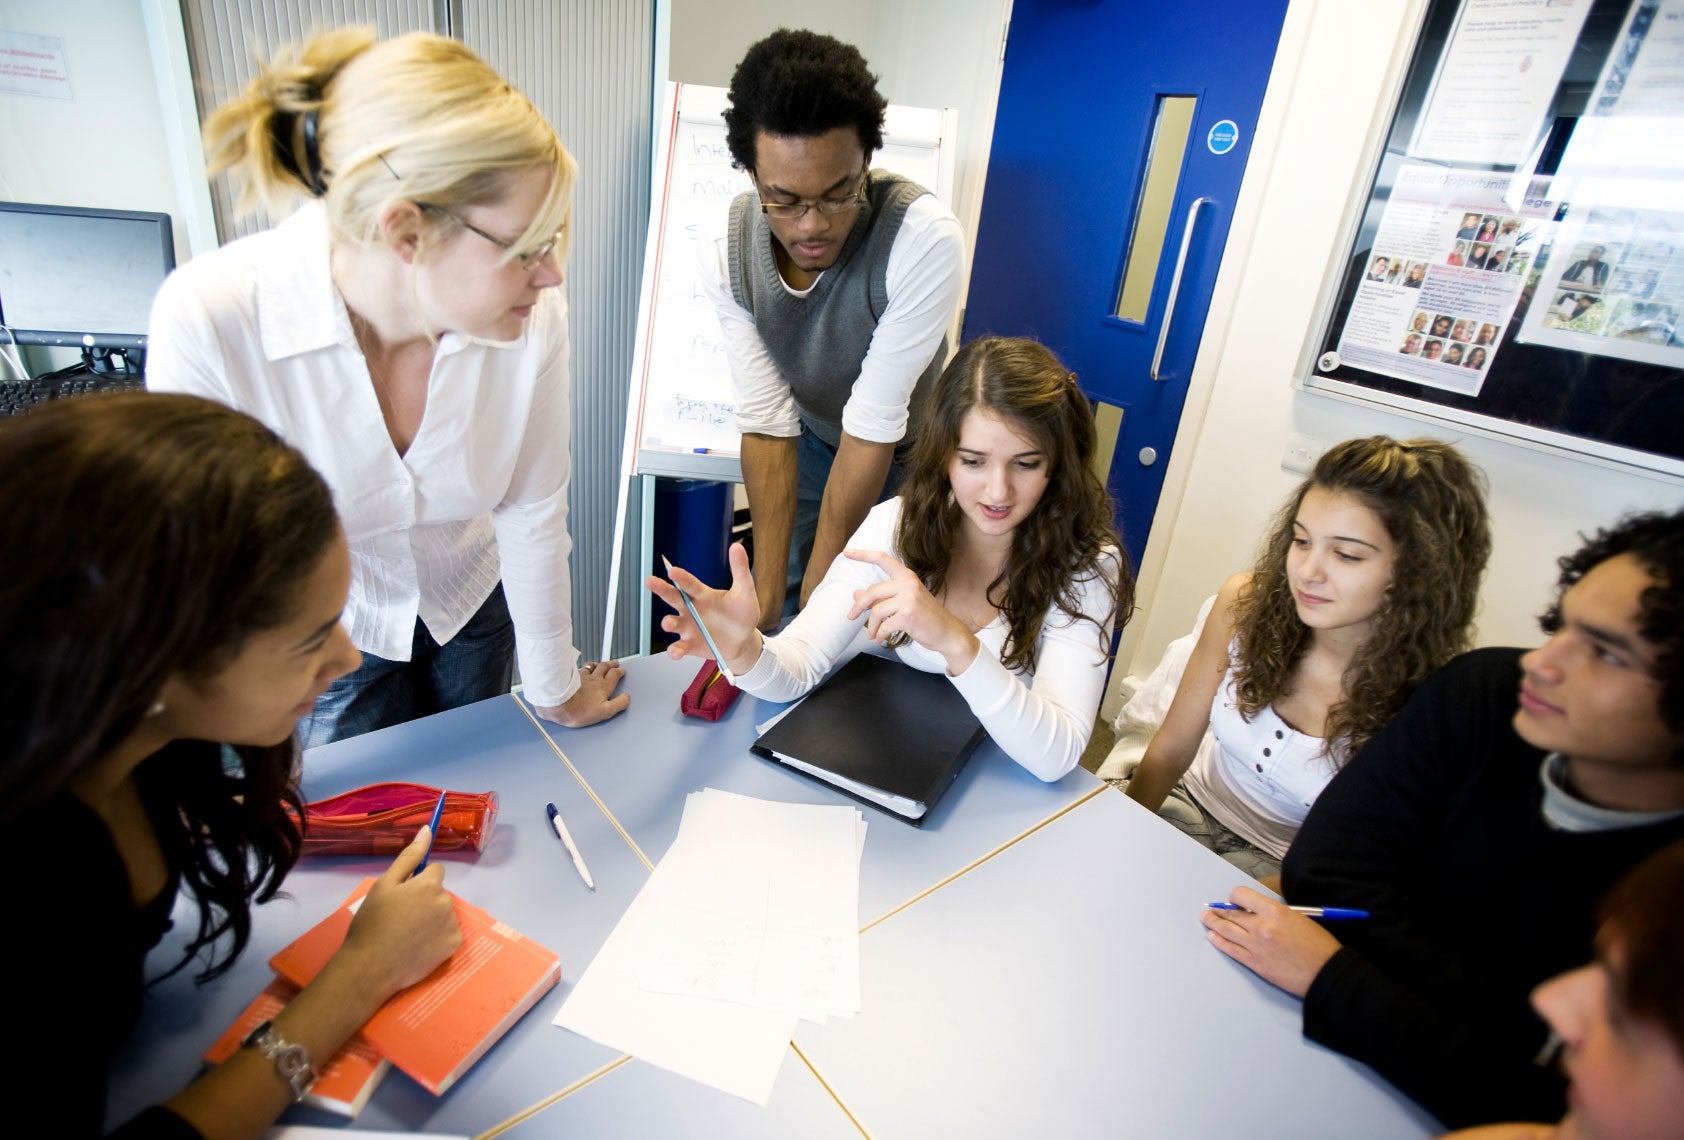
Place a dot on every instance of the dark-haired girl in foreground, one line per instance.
(998, 564)
(171, 583)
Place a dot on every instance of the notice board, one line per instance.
(681, 415)
(1515, 262)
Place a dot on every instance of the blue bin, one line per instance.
(693, 528)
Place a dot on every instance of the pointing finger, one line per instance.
(881, 559)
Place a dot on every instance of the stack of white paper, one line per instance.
(749, 922)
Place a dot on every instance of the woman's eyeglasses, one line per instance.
(528, 261)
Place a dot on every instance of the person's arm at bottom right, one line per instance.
(1462, 1069)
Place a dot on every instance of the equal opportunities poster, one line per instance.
(1449, 261)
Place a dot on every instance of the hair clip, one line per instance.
(281, 129)
(312, 154)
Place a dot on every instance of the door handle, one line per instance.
(1175, 282)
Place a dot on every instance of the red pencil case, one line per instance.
(381, 819)
(709, 695)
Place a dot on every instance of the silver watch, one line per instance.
(291, 1061)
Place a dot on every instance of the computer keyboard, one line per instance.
(21, 395)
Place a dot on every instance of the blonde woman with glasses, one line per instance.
(405, 328)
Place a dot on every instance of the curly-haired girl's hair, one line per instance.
(151, 535)
(801, 84)
(1655, 539)
(1069, 536)
(1431, 501)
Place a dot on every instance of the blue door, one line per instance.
(1122, 132)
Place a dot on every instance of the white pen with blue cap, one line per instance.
(560, 830)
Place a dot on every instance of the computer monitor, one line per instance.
(80, 278)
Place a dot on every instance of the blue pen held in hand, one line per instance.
(432, 834)
(1328, 912)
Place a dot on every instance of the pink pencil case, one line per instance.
(381, 819)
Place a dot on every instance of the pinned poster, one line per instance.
(1450, 261)
(1491, 97)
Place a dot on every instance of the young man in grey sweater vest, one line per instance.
(835, 285)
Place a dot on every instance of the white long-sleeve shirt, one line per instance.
(481, 492)
(924, 277)
(1042, 719)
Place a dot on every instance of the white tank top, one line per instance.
(1257, 777)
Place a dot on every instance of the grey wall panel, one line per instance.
(588, 67)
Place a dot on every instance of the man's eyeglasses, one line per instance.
(528, 261)
(827, 206)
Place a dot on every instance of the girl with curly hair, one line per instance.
(172, 593)
(1366, 583)
(998, 564)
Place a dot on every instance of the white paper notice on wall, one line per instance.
(1491, 96)
(31, 64)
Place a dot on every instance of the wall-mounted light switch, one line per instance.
(1301, 453)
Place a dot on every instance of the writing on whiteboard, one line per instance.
(704, 148)
(710, 412)
(714, 188)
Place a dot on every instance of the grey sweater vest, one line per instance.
(820, 340)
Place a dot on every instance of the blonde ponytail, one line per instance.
(363, 124)
(269, 137)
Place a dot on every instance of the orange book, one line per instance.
(440, 1026)
(347, 1080)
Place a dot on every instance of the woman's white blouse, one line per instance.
(481, 492)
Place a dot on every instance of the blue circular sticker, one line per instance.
(1223, 136)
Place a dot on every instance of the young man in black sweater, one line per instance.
(1480, 829)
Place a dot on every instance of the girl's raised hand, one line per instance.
(902, 604)
(731, 615)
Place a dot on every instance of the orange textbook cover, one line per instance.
(440, 1026)
(347, 1080)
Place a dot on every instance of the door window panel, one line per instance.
(1172, 122)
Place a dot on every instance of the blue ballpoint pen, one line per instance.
(432, 834)
(1328, 912)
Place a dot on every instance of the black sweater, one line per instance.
(76, 966)
(1435, 827)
